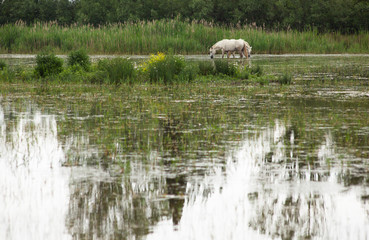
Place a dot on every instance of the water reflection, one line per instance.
(213, 164)
(34, 189)
(255, 198)
(116, 208)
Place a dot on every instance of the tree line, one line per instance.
(347, 16)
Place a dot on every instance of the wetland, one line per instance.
(214, 159)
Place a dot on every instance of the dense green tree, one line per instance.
(325, 15)
(201, 9)
(66, 12)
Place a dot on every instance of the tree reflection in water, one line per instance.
(266, 193)
(34, 188)
(279, 182)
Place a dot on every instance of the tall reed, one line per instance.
(162, 35)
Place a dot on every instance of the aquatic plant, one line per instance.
(183, 37)
(48, 65)
(189, 73)
(118, 70)
(243, 72)
(9, 35)
(284, 79)
(256, 70)
(98, 77)
(79, 58)
(206, 68)
(7, 75)
(225, 67)
(164, 68)
(2, 65)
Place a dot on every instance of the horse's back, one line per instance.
(230, 44)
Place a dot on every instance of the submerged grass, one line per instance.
(159, 36)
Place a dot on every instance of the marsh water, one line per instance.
(197, 161)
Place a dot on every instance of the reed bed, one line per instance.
(169, 35)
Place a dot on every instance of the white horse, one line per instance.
(246, 50)
(230, 46)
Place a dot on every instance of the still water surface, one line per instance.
(216, 161)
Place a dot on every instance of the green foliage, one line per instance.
(118, 70)
(188, 73)
(2, 65)
(334, 15)
(262, 80)
(256, 70)
(225, 67)
(206, 68)
(181, 36)
(7, 75)
(10, 34)
(79, 58)
(73, 74)
(98, 77)
(13, 74)
(164, 68)
(48, 65)
(284, 79)
(243, 73)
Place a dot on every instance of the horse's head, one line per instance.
(212, 52)
(249, 51)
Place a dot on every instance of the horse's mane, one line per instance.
(245, 48)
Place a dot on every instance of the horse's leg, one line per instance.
(233, 54)
(222, 53)
(240, 52)
(228, 54)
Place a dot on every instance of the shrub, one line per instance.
(2, 65)
(206, 68)
(79, 58)
(188, 73)
(164, 68)
(225, 67)
(98, 77)
(118, 70)
(48, 65)
(72, 74)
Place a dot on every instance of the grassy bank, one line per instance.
(164, 35)
(158, 69)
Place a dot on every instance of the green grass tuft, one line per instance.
(118, 70)
(206, 68)
(2, 65)
(48, 65)
(225, 67)
(79, 58)
(285, 79)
